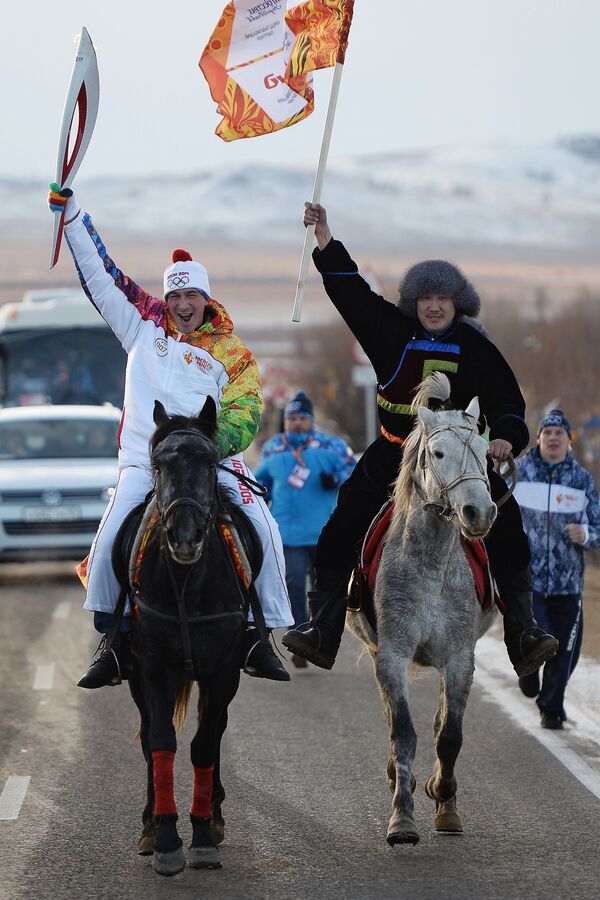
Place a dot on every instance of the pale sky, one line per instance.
(416, 75)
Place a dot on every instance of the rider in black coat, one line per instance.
(422, 333)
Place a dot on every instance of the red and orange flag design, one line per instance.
(321, 30)
(259, 59)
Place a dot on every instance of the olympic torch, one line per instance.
(83, 96)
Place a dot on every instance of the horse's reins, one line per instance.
(182, 619)
(441, 505)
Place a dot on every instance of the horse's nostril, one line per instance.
(471, 513)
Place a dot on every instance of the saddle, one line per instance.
(362, 585)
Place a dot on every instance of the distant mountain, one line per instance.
(543, 195)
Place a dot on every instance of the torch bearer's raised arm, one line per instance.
(83, 95)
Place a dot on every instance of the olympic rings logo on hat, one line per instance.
(177, 281)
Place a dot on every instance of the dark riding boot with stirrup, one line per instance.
(261, 660)
(112, 666)
(327, 605)
(528, 645)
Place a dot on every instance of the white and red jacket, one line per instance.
(180, 370)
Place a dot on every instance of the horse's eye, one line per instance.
(438, 454)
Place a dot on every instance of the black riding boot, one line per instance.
(112, 666)
(528, 646)
(261, 660)
(327, 607)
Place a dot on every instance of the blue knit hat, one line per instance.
(555, 419)
(300, 405)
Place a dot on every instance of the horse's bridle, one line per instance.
(182, 619)
(441, 504)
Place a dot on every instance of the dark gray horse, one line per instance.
(189, 626)
(425, 600)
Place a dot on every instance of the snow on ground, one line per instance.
(577, 745)
(533, 195)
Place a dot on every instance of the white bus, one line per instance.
(55, 347)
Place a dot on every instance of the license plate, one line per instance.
(51, 513)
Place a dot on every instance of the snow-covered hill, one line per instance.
(545, 195)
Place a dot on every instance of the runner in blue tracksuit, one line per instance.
(302, 469)
(561, 515)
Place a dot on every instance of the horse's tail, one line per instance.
(435, 387)
(182, 702)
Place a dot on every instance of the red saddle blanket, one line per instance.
(475, 552)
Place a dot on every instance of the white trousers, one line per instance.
(133, 485)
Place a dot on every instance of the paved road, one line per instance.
(307, 805)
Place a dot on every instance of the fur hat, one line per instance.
(555, 419)
(436, 276)
(300, 405)
(185, 274)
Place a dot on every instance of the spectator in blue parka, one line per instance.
(302, 468)
(561, 515)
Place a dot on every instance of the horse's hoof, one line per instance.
(447, 819)
(204, 858)
(147, 839)
(168, 863)
(402, 831)
(217, 831)
(146, 844)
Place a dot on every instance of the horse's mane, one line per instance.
(433, 391)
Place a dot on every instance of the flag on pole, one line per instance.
(321, 34)
(259, 59)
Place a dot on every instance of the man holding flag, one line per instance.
(423, 332)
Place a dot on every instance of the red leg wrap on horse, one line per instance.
(164, 798)
(203, 790)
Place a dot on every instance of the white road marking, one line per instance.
(62, 610)
(490, 676)
(44, 676)
(11, 798)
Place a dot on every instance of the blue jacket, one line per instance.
(551, 496)
(301, 513)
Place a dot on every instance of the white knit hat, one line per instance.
(185, 274)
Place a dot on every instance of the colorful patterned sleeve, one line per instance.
(241, 402)
(106, 286)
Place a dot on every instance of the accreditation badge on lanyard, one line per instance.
(299, 474)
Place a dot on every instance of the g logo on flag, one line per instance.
(272, 81)
(177, 280)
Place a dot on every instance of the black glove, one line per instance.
(329, 481)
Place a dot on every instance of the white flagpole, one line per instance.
(309, 235)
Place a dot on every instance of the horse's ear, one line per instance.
(426, 416)
(208, 413)
(473, 409)
(160, 414)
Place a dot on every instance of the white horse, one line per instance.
(425, 600)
